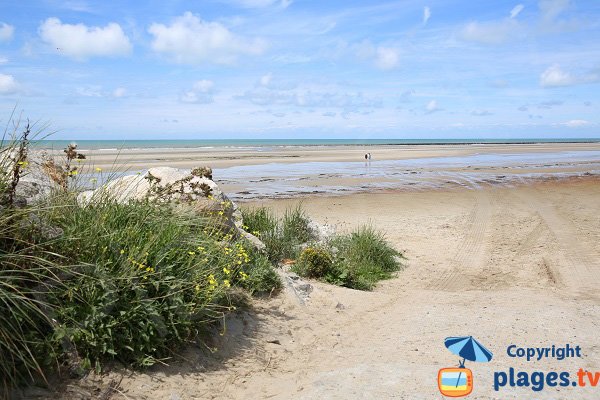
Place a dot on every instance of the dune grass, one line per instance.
(82, 286)
(356, 260)
(281, 236)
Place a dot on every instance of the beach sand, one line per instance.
(515, 265)
(508, 264)
(222, 157)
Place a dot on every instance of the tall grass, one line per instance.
(128, 282)
(356, 260)
(362, 258)
(281, 236)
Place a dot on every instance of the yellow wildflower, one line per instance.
(98, 169)
(226, 270)
(226, 283)
(191, 253)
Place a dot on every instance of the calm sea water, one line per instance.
(195, 143)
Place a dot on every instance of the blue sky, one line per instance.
(303, 69)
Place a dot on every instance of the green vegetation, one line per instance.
(314, 262)
(81, 286)
(355, 260)
(85, 285)
(362, 258)
(282, 237)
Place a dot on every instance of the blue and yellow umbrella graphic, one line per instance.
(458, 382)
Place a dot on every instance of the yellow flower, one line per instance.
(226, 283)
(212, 281)
(221, 213)
(122, 251)
(226, 270)
(98, 169)
(73, 173)
(191, 253)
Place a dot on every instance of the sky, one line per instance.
(218, 69)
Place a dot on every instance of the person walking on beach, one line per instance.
(366, 156)
(369, 154)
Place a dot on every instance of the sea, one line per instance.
(204, 143)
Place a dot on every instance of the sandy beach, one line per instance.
(509, 264)
(223, 157)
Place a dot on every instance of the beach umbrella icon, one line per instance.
(469, 349)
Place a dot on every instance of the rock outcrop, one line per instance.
(165, 184)
(34, 182)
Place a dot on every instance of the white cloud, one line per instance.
(550, 9)
(383, 57)
(432, 107)
(8, 84)
(516, 10)
(387, 58)
(200, 93)
(555, 76)
(81, 42)
(90, 91)
(189, 40)
(261, 3)
(204, 85)
(493, 32)
(576, 123)
(6, 32)
(3, 60)
(77, 5)
(426, 14)
(309, 97)
(265, 80)
(119, 92)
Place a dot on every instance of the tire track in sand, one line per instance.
(580, 268)
(470, 253)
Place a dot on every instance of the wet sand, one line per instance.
(222, 157)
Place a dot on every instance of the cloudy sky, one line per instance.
(303, 69)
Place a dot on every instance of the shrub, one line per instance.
(282, 237)
(364, 257)
(152, 276)
(259, 220)
(295, 226)
(314, 262)
(128, 282)
(261, 278)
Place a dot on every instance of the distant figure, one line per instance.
(366, 156)
(369, 154)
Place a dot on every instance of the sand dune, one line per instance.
(509, 266)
